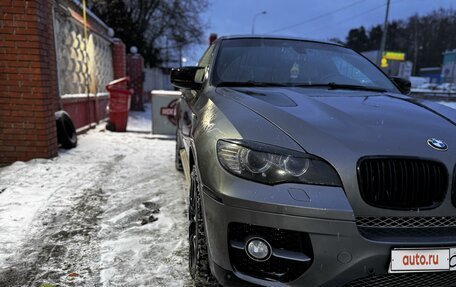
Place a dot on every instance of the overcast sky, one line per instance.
(316, 19)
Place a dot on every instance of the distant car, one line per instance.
(309, 167)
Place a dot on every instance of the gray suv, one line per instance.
(310, 167)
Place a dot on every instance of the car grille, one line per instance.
(406, 222)
(434, 279)
(398, 183)
(278, 269)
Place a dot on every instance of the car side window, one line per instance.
(204, 62)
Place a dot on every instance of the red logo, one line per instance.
(431, 259)
(170, 111)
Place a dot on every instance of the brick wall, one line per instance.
(28, 81)
(119, 58)
(135, 70)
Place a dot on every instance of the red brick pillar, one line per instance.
(119, 59)
(28, 81)
(135, 70)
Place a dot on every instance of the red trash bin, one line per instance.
(119, 105)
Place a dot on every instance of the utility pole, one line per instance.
(385, 30)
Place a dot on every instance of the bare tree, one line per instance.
(159, 28)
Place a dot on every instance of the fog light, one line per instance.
(258, 249)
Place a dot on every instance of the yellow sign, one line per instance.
(384, 63)
(395, 56)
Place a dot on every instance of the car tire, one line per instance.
(177, 157)
(198, 253)
(66, 132)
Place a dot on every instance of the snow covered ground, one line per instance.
(140, 121)
(110, 212)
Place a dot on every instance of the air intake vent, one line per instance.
(406, 222)
(282, 269)
(398, 183)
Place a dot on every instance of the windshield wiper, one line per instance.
(335, 86)
(331, 85)
(250, 84)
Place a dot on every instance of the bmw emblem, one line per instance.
(437, 144)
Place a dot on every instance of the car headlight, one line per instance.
(272, 165)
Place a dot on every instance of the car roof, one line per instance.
(276, 37)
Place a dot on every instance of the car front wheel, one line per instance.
(198, 253)
(177, 157)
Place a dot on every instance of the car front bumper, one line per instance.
(339, 253)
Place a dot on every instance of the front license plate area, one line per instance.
(405, 260)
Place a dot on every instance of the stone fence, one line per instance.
(84, 65)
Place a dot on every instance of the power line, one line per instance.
(347, 20)
(316, 18)
(351, 17)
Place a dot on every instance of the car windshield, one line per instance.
(282, 62)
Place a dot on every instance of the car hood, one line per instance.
(340, 123)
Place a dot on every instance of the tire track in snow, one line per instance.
(154, 254)
(67, 243)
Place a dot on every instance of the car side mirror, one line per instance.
(184, 78)
(404, 85)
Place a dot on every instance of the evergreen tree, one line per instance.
(422, 38)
